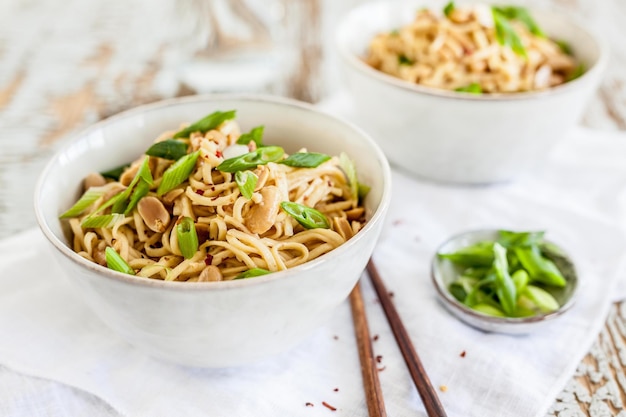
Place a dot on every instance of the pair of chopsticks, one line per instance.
(373, 393)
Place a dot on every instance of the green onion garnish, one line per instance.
(308, 217)
(255, 135)
(87, 199)
(178, 173)
(505, 33)
(448, 9)
(565, 47)
(251, 160)
(473, 88)
(254, 272)
(140, 191)
(187, 237)
(246, 181)
(576, 73)
(168, 149)
(403, 60)
(521, 14)
(105, 220)
(116, 262)
(348, 168)
(362, 192)
(305, 160)
(209, 122)
(115, 173)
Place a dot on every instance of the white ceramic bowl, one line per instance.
(443, 273)
(214, 324)
(454, 137)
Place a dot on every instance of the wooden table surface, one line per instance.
(59, 73)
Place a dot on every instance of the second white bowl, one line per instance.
(453, 137)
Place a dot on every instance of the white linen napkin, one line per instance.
(49, 332)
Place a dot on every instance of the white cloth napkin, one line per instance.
(48, 331)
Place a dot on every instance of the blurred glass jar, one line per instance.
(260, 46)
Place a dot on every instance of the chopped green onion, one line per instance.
(168, 149)
(209, 122)
(522, 15)
(505, 287)
(403, 60)
(362, 191)
(178, 173)
(576, 73)
(87, 199)
(251, 160)
(349, 169)
(543, 300)
(106, 221)
(448, 9)
(140, 191)
(246, 181)
(255, 135)
(115, 173)
(308, 217)
(116, 262)
(505, 34)
(509, 239)
(305, 160)
(254, 272)
(565, 47)
(473, 88)
(187, 237)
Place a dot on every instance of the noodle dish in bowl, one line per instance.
(467, 92)
(214, 231)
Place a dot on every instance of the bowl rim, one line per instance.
(61, 246)
(451, 302)
(343, 32)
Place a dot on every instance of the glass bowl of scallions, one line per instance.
(504, 281)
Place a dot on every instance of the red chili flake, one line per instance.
(309, 404)
(391, 294)
(379, 358)
(336, 337)
(382, 369)
(462, 354)
(397, 222)
(209, 259)
(218, 154)
(215, 198)
(336, 389)
(206, 156)
(375, 337)
(330, 407)
(330, 184)
(212, 188)
(200, 192)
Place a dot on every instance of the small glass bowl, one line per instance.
(443, 272)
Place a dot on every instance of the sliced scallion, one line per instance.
(106, 221)
(116, 262)
(251, 160)
(246, 181)
(254, 272)
(140, 191)
(255, 135)
(448, 9)
(115, 173)
(187, 237)
(168, 149)
(207, 123)
(349, 169)
(178, 173)
(86, 200)
(305, 159)
(308, 217)
(505, 34)
(473, 88)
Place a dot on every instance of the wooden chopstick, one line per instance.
(369, 370)
(416, 369)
